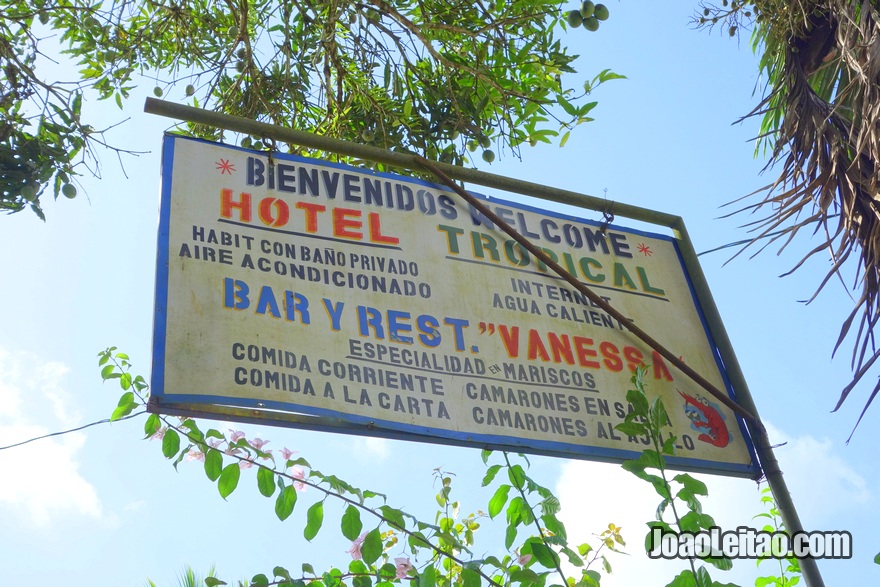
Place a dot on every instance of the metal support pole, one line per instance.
(767, 459)
(763, 448)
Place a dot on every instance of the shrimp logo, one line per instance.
(706, 419)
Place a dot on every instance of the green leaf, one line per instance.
(170, 443)
(545, 555)
(314, 520)
(470, 578)
(632, 428)
(213, 463)
(371, 549)
(281, 572)
(703, 578)
(639, 402)
(658, 411)
(684, 579)
(517, 476)
(228, 479)
(877, 559)
(484, 454)
(351, 523)
(308, 568)
(426, 578)
(152, 424)
(107, 371)
(260, 579)
(722, 563)
(567, 106)
(265, 481)
(694, 486)
(285, 502)
(490, 474)
(496, 504)
(394, 516)
(553, 524)
(573, 557)
(122, 411)
(387, 572)
(510, 536)
(213, 581)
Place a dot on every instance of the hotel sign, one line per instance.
(296, 286)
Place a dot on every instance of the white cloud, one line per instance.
(368, 446)
(596, 494)
(819, 498)
(41, 479)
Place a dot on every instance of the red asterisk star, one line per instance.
(645, 250)
(225, 166)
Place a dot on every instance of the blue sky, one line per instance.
(101, 507)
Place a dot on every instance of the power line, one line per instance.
(105, 421)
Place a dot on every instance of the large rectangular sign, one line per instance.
(302, 286)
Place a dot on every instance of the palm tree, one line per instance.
(820, 123)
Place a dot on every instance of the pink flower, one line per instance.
(298, 472)
(523, 559)
(355, 550)
(286, 453)
(258, 443)
(232, 450)
(403, 567)
(195, 454)
(268, 455)
(235, 435)
(214, 442)
(245, 464)
(159, 434)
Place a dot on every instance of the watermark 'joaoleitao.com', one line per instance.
(749, 543)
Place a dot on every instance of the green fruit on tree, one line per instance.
(29, 193)
(232, 32)
(601, 12)
(472, 145)
(587, 9)
(485, 142)
(488, 156)
(44, 17)
(157, 91)
(446, 157)
(575, 19)
(591, 24)
(241, 53)
(368, 136)
(239, 66)
(190, 90)
(69, 190)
